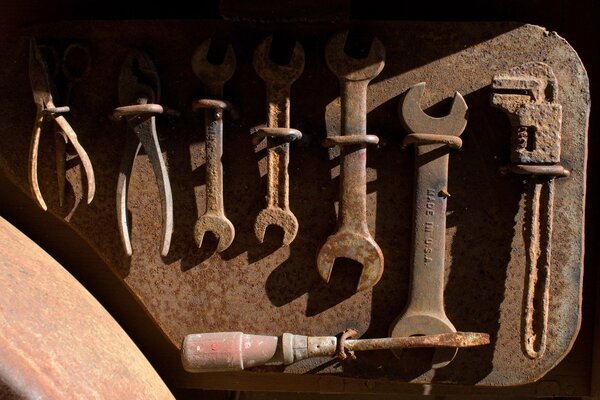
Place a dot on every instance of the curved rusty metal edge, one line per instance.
(56, 340)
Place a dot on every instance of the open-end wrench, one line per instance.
(213, 76)
(279, 79)
(138, 90)
(433, 138)
(353, 239)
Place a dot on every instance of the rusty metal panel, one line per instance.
(56, 340)
(270, 289)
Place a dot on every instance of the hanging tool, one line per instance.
(528, 94)
(353, 239)
(235, 351)
(433, 138)
(42, 95)
(139, 90)
(279, 79)
(214, 76)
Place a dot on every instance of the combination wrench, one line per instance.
(433, 138)
(353, 239)
(214, 76)
(279, 79)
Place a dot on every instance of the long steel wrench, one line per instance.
(433, 138)
(279, 79)
(353, 239)
(214, 76)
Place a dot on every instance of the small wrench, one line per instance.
(279, 79)
(214, 76)
(433, 139)
(139, 88)
(353, 239)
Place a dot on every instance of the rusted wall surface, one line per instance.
(267, 289)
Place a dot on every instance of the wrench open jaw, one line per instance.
(278, 79)
(361, 248)
(214, 76)
(285, 219)
(278, 75)
(353, 239)
(219, 225)
(417, 121)
(138, 90)
(433, 137)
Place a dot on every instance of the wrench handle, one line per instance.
(539, 260)
(278, 109)
(353, 168)
(353, 96)
(214, 166)
(429, 229)
(278, 105)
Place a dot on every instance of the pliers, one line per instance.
(139, 90)
(42, 96)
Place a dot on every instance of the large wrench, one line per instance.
(279, 79)
(214, 76)
(352, 239)
(433, 139)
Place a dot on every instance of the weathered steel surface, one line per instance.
(56, 340)
(269, 289)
